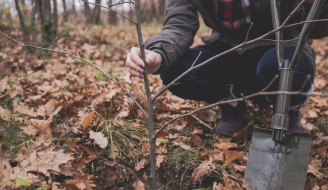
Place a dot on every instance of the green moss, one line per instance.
(48, 34)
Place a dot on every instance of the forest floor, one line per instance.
(53, 107)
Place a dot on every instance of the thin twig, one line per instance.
(280, 40)
(202, 122)
(304, 83)
(111, 10)
(196, 59)
(82, 59)
(270, 83)
(249, 29)
(119, 3)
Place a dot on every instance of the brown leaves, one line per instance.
(231, 155)
(202, 170)
(138, 185)
(226, 145)
(140, 165)
(29, 130)
(46, 159)
(87, 120)
(50, 107)
(196, 140)
(44, 128)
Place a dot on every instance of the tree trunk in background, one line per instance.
(21, 18)
(131, 13)
(112, 15)
(87, 13)
(34, 3)
(96, 13)
(73, 7)
(153, 11)
(162, 9)
(55, 16)
(65, 15)
(47, 26)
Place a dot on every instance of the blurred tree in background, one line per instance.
(39, 20)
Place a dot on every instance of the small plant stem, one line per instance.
(150, 117)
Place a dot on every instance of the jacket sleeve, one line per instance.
(177, 35)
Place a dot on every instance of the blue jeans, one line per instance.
(249, 73)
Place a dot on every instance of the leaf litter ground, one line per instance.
(65, 126)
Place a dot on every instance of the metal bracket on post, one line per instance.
(280, 119)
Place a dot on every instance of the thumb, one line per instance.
(151, 59)
(128, 79)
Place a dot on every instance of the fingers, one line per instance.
(135, 57)
(133, 66)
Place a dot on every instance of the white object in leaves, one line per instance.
(99, 138)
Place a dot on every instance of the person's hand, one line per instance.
(136, 65)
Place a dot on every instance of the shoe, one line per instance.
(294, 122)
(231, 119)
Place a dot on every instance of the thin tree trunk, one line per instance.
(87, 13)
(153, 11)
(47, 26)
(112, 16)
(55, 17)
(34, 3)
(96, 13)
(65, 16)
(21, 18)
(162, 9)
(73, 7)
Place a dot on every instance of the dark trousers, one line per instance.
(249, 73)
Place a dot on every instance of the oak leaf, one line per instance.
(140, 165)
(44, 128)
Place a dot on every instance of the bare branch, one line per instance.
(119, 3)
(111, 10)
(202, 122)
(270, 83)
(82, 59)
(304, 83)
(280, 40)
(249, 30)
(196, 59)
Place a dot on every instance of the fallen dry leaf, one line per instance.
(44, 128)
(195, 140)
(314, 168)
(202, 170)
(50, 106)
(231, 155)
(138, 185)
(140, 165)
(159, 160)
(226, 145)
(87, 120)
(29, 130)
